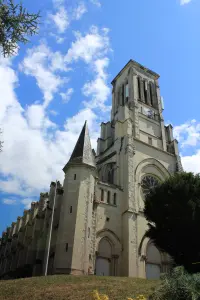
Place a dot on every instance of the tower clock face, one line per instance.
(149, 113)
(148, 182)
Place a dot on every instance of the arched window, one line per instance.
(122, 93)
(108, 197)
(148, 183)
(115, 199)
(111, 176)
(108, 173)
(138, 86)
(126, 91)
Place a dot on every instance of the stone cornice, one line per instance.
(106, 157)
(148, 145)
(109, 185)
(157, 137)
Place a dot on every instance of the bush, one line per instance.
(97, 296)
(178, 285)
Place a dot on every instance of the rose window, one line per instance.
(148, 183)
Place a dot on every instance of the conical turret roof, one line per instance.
(82, 151)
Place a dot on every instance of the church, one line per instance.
(94, 224)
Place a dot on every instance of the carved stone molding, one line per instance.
(131, 104)
(143, 257)
(130, 149)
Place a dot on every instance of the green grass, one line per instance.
(74, 287)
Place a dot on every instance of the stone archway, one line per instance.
(104, 257)
(153, 262)
(108, 252)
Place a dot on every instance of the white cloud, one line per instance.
(36, 117)
(79, 11)
(188, 134)
(36, 149)
(92, 48)
(67, 96)
(60, 19)
(57, 3)
(53, 112)
(59, 39)
(27, 202)
(96, 2)
(42, 64)
(32, 155)
(88, 47)
(9, 201)
(185, 1)
(97, 89)
(57, 62)
(191, 163)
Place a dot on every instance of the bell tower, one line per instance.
(136, 96)
(142, 145)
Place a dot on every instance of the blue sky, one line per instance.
(62, 77)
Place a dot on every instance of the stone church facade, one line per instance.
(98, 225)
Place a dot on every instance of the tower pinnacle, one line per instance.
(82, 152)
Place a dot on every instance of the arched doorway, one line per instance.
(153, 262)
(104, 256)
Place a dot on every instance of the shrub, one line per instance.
(97, 296)
(178, 285)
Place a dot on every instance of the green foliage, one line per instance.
(15, 25)
(178, 285)
(173, 212)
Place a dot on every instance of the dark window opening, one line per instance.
(115, 199)
(122, 94)
(151, 94)
(66, 247)
(70, 209)
(102, 195)
(145, 91)
(111, 176)
(74, 176)
(139, 94)
(107, 219)
(150, 141)
(88, 232)
(127, 91)
(108, 197)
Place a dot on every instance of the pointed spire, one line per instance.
(82, 151)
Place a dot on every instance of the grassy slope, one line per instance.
(73, 287)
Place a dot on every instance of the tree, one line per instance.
(16, 24)
(173, 212)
